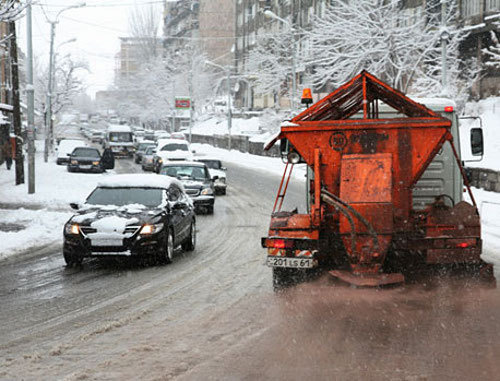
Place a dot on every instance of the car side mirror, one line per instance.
(223, 168)
(215, 178)
(74, 205)
(68, 154)
(476, 141)
(193, 151)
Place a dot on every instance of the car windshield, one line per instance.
(150, 197)
(86, 152)
(174, 147)
(143, 146)
(149, 150)
(188, 172)
(214, 164)
(120, 137)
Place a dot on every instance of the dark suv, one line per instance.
(88, 159)
(138, 216)
(196, 180)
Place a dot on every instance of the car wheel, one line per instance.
(69, 169)
(167, 254)
(210, 209)
(190, 243)
(223, 191)
(71, 259)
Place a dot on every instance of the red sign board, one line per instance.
(182, 103)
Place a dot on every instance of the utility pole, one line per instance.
(229, 112)
(30, 90)
(15, 103)
(48, 115)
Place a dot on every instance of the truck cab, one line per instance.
(120, 139)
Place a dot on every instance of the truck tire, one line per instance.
(283, 278)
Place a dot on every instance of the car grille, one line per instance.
(192, 192)
(129, 230)
(177, 159)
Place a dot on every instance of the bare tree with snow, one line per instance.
(271, 59)
(68, 83)
(492, 53)
(381, 37)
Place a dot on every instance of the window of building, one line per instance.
(492, 5)
(470, 7)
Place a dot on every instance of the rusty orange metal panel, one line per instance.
(366, 178)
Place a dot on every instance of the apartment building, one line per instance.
(181, 23)
(478, 17)
(216, 30)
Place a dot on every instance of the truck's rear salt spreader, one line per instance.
(363, 169)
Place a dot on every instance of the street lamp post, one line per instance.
(48, 115)
(445, 35)
(229, 112)
(270, 14)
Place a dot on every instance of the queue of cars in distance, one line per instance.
(136, 215)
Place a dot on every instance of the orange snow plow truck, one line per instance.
(384, 190)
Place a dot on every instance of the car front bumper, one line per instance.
(135, 246)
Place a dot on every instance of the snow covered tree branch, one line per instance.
(381, 37)
(492, 53)
(10, 10)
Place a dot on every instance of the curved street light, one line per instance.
(272, 15)
(48, 116)
(227, 69)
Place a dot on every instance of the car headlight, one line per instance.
(95, 163)
(221, 180)
(148, 229)
(207, 191)
(160, 160)
(74, 162)
(72, 229)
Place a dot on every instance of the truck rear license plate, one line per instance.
(296, 263)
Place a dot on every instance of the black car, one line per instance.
(88, 159)
(196, 180)
(138, 216)
(141, 148)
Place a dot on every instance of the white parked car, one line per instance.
(65, 147)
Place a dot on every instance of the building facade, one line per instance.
(478, 17)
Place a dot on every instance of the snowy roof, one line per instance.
(162, 142)
(6, 107)
(119, 128)
(138, 181)
(183, 163)
(435, 104)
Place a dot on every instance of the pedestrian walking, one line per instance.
(7, 153)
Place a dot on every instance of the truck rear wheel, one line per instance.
(284, 277)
